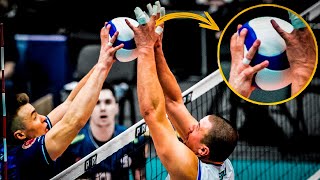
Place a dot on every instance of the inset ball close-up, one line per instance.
(267, 54)
(272, 48)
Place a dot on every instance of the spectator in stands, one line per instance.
(45, 138)
(100, 129)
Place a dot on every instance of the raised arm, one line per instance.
(61, 135)
(56, 114)
(176, 110)
(174, 155)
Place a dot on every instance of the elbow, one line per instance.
(149, 108)
(170, 101)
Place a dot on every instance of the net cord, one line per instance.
(315, 176)
(129, 135)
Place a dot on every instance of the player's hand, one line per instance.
(241, 73)
(301, 53)
(160, 14)
(107, 52)
(145, 34)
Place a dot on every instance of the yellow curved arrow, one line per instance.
(207, 22)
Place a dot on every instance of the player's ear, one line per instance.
(20, 135)
(203, 150)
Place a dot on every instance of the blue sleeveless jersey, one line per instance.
(115, 166)
(33, 160)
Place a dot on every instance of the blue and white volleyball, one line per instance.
(126, 36)
(272, 48)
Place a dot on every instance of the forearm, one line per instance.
(82, 82)
(175, 108)
(61, 135)
(57, 114)
(150, 94)
(167, 80)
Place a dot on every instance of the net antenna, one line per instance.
(4, 118)
(131, 133)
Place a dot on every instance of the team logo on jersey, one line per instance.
(126, 161)
(28, 143)
(103, 175)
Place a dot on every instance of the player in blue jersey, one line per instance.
(100, 129)
(206, 144)
(45, 138)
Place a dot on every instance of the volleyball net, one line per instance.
(276, 142)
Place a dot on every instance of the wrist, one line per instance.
(145, 50)
(104, 66)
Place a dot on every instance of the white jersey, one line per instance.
(214, 172)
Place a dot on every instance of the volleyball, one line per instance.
(272, 48)
(126, 36)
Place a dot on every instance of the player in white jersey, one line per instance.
(211, 171)
(206, 143)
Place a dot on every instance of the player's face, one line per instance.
(196, 134)
(34, 123)
(105, 110)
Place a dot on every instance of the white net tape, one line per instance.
(134, 131)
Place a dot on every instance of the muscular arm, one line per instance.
(56, 114)
(176, 110)
(151, 99)
(152, 108)
(174, 155)
(61, 135)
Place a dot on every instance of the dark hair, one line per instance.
(221, 139)
(15, 122)
(109, 86)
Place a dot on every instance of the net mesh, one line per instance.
(276, 142)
